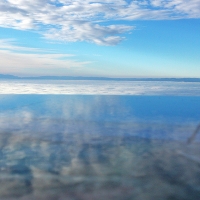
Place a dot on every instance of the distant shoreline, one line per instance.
(11, 77)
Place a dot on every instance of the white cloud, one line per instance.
(100, 88)
(34, 60)
(10, 44)
(85, 31)
(79, 20)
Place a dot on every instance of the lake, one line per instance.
(99, 140)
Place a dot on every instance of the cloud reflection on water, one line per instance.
(95, 147)
(99, 87)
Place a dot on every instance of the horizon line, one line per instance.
(70, 77)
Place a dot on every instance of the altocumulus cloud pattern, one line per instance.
(99, 21)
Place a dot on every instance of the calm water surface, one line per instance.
(82, 147)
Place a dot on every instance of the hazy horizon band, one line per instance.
(99, 87)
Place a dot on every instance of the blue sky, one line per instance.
(114, 38)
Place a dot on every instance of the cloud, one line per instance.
(14, 60)
(79, 20)
(101, 88)
(10, 44)
(85, 31)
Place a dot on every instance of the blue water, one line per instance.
(164, 110)
(99, 147)
(106, 108)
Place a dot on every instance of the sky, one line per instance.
(110, 38)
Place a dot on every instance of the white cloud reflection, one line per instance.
(99, 87)
(77, 146)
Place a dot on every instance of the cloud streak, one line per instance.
(22, 63)
(78, 20)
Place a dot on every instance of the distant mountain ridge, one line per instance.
(7, 76)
